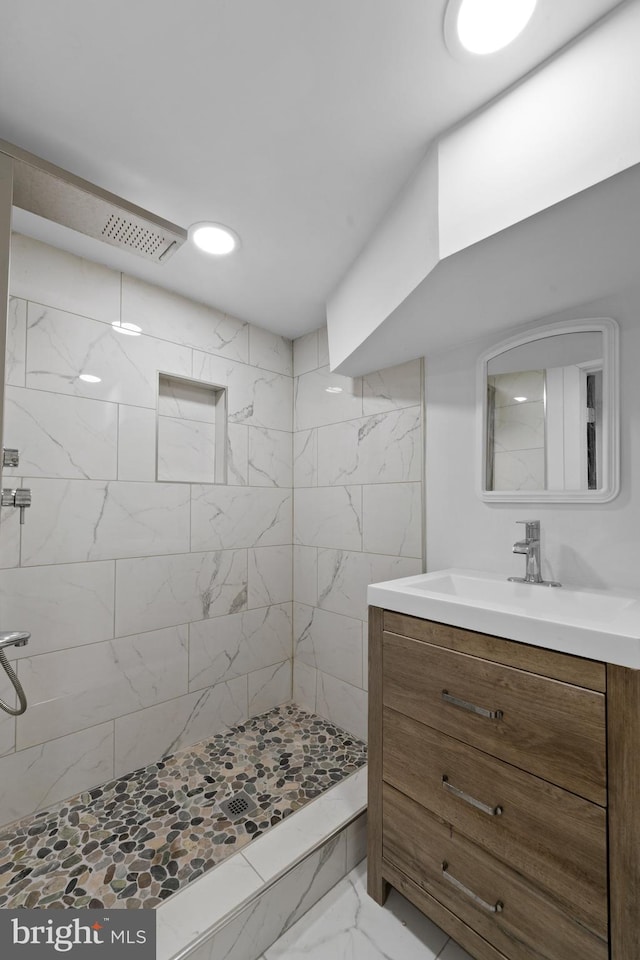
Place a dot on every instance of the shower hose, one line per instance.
(17, 686)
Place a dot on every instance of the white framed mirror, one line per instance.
(547, 408)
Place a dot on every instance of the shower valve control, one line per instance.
(20, 498)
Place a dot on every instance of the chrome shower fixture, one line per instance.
(13, 638)
(49, 191)
(20, 498)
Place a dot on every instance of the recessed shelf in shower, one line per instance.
(192, 429)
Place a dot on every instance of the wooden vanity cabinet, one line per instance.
(504, 791)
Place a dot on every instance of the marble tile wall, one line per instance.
(159, 611)
(162, 611)
(357, 468)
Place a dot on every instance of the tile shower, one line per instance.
(162, 612)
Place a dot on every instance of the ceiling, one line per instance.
(296, 122)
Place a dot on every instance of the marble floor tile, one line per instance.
(280, 905)
(348, 925)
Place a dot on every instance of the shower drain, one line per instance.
(237, 806)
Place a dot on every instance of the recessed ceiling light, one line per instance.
(130, 329)
(333, 389)
(485, 26)
(214, 238)
(519, 399)
(89, 378)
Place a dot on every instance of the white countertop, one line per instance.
(596, 624)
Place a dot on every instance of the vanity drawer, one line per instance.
(552, 729)
(495, 901)
(553, 837)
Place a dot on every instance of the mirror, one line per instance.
(548, 414)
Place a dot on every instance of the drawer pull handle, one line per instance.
(471, 707)
(478, 804)
(497, 907)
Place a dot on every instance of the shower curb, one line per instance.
(238, 909)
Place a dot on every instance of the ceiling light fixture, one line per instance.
(520, 399)
(485, 26)
(89, 378)
(333, 389)
(129, 329)
(214, 238)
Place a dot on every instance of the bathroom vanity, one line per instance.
(504, 774)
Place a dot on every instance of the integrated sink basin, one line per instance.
(598, 624)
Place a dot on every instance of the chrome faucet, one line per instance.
(530, 547)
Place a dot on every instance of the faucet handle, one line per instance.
(532, 529)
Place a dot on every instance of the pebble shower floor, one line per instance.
(134, 841)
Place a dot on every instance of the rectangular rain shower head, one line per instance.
(51, 192)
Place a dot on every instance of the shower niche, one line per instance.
(191, 431)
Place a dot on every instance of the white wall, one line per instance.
(568, 126)
(595, 545)
(402, 250)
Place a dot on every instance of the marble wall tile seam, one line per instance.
(50, 306)
(329, 516)
(310, 409)
(379, 416)
(261, 675)
(305, 353)
(255, 332)
(60, 346)
(164, 554)
(23, 652)
(270, 686)
(58, 738)
(106, 323)
(231, 360)
(155, 336)
(221, 649)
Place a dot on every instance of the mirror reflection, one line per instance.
(547, 414)
(545, 423)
